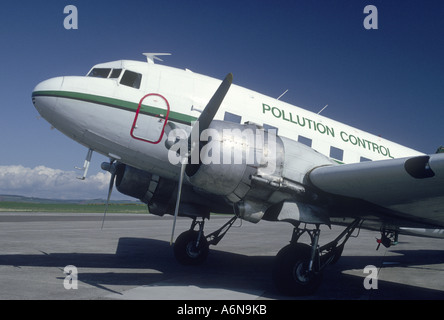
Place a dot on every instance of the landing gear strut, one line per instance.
(192, 246)
(299, 267)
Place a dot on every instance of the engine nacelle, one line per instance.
(160, 193)
(253, 168)
(232, 155)
(133, 182)
(149, 188)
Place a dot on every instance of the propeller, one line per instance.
(179, 194)
(199, 126)
(111, 168)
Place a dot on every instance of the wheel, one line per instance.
(290, 272)
(185, 249)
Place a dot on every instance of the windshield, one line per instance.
(105, 73)
(99, 73)
(130, 78)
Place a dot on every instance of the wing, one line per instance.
(412, 188)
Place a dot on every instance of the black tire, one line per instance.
(185, 250)
(290, 272)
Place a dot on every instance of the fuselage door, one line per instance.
(151, 118)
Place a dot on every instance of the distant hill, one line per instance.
(14, 203)
(23, 199)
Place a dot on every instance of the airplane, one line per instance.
(189, 145)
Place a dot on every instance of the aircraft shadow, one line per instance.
(225, 270)
(344, 280)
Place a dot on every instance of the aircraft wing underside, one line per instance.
(412, 188)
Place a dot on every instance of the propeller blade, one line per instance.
(202, 123)
(112, 169)
(110, 190)
(179, 193)
(213, 105)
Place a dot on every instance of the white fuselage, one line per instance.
(99, 112)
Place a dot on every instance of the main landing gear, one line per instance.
(298, 267)
(192, 246)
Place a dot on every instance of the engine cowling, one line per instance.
(253, 168)
(160, 193)
(232, 154)
(134, 182)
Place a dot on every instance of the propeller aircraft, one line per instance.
(189, 145)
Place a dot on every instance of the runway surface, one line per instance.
(131, 258)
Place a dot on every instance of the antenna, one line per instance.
(154, 56)
(323, 108)
(282, 94)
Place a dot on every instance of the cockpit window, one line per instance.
(99, 73)
(115, 73)
(131, 79)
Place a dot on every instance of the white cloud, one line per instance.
(44, 182)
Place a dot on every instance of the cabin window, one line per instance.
(336, 153)
(364, 159)
(267, 127)
(131, 79)
(100, 72)
(307, 141)
(231, 117)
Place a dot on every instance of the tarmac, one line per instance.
(61, 256)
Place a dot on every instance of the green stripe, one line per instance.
(117, 103)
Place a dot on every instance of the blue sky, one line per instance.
(387, 81)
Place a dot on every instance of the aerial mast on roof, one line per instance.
(150, 57)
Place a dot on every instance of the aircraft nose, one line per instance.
(43, 91)
(49, 85)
